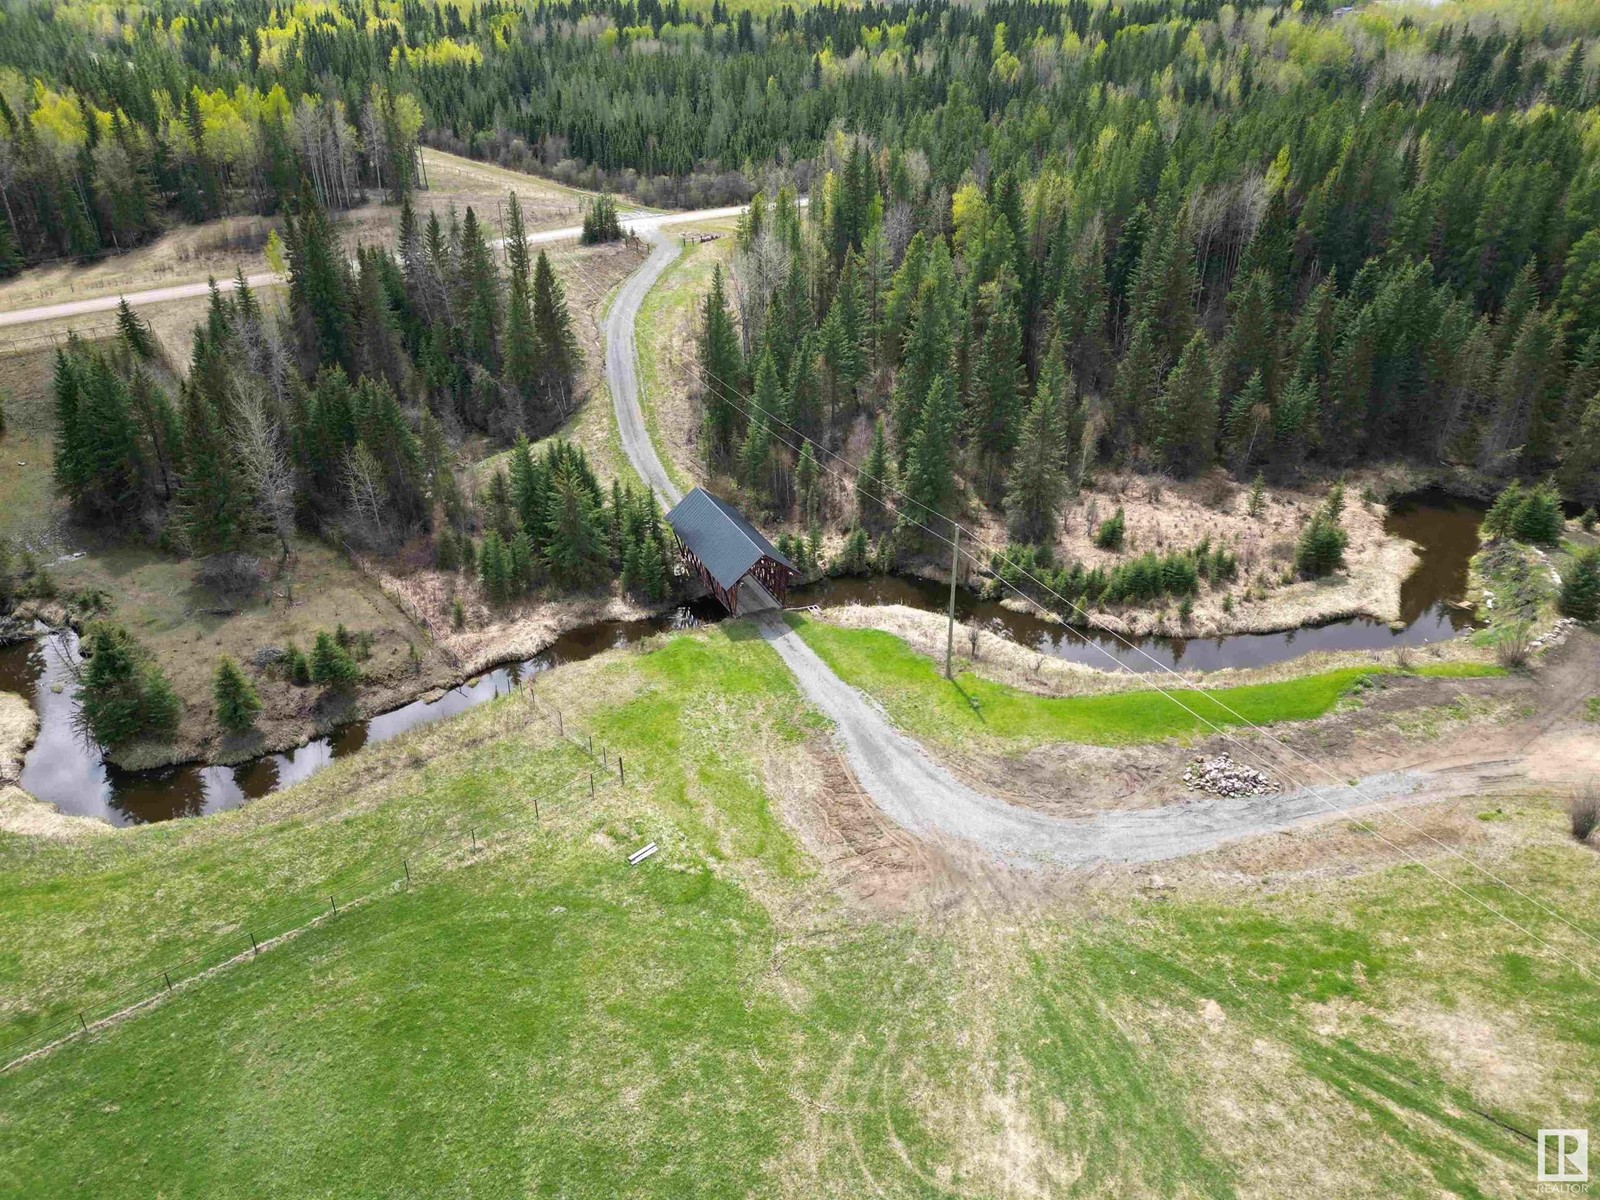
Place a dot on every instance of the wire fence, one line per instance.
(249, 937)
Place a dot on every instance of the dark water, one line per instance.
(1445, 529)
(66, 770)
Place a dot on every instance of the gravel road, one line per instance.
(644, 224)
(622, 374)
(923, 797)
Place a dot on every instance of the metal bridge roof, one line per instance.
(719, 536)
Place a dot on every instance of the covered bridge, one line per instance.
(740, 566)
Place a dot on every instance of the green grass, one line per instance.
(921, 701)
(670, 308)
(542, 1020)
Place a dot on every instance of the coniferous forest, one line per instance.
(1040, 238)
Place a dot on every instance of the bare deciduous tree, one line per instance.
(368, 496)
(262, 454)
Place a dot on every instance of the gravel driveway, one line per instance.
(622, 372)
(923, 797)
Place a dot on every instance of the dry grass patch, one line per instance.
(18, 727)
(192, 253)
(668, 326)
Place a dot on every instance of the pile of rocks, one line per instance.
(1555, 635)
(1221, 776)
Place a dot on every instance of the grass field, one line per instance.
(921, 701)
(539, 1019)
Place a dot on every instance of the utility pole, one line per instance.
(950, 631)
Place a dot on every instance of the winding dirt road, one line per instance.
(622, 366)
(902, 780)
(900, 776)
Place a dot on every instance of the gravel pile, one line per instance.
(1221, 776)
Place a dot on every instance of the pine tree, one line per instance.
(872, 481)
(237, 703)
(575, 552)
(1187, 427)
(996, 400)
(331, 664)
(134, 332)
(1038, 479)
(930, 475)
(1580, 587)
(555, 345)
(123, 695)
(721, 370)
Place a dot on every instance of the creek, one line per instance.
(67, 770)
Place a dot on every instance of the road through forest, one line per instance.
(899, 775)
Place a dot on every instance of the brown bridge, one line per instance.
(742, 569)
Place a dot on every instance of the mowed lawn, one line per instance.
(540, 1019)
(922, 701)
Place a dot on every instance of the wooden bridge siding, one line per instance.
(773, 576)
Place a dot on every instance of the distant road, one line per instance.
(644, 224)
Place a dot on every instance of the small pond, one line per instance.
(64, 769)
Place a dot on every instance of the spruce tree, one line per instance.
(494, 568)
(106, 471)
(521, 344)
(1249, 416)
(1580, 587)
(756, 456)
(213, 495)
(575, 552)
(930, 474)
(331, 664)
(1320, 550)
(319, 287)
(478, 294)
(872, 481)
(1187, 428)
(996, 400)
(1136, 387)
(134, 332)
(123, 695)
(237, 703)
(555, 345)
(1038, 479)
(721, 370)
(806, 484)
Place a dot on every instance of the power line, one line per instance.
(733, 396)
